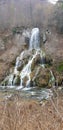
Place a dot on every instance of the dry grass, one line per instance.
(20, 114)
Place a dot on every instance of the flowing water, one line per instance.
(35, 39)
(28, 91)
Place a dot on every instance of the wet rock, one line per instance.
(5, 81)
(32, 78)
(35, 62)
(8, 80)
(16, 80)
(20, 65)
(42, 78)
(22, 60)
(25, 81)
(32, 74)
(25, 54)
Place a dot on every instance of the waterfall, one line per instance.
(27, 69)
(35, 39)
(34, 44)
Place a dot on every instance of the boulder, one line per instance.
(22, 60)
(42, 78)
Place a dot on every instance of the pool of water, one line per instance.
(27, 93)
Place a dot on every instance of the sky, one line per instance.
(53, 1)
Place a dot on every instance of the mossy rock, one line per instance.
(20, 66)
(17, 30)
(59, 67)
(16, 80)
(32, 74)
(13, 62)
(58, 77)
(59, 80)
(5, 82)
(35, 62)
(42, 78)
(48, 60)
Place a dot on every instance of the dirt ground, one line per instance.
(21, 114)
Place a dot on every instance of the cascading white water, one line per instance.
(27, 69)
(34, 44)
(35, 39)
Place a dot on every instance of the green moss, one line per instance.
(17, 30)
(14, 30)
(60, 67)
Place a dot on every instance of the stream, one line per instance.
(26, 93)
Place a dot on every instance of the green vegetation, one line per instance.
(60, 67)
(15, 30)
